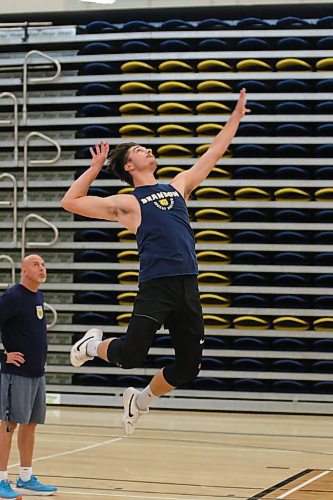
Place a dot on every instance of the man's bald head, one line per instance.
(33, 271)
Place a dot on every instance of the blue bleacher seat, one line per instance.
(290, 386)
(251, 151)
(325, 172)
(291, 302)
(214, 44)
(323, 280)
(259, 108)
(100, 27)
(137, 25)
(291, 151)
(325, 43)
(94, 48)
(290, 279)
(291, 237)
(210, 384)
(324, 150)
(324, 387)
(323, 259)
(251, 343)
(291, 259)
(249, 279)
(325, 22)
(325, 85)
(250, 300)
(289, 365)
(96, 89)
(292, 85)
(291, 215)
(251, 364)
(324, 129)
(291, 172)
(93, 379)
(163, 341)
(93, 256)
(323, 238)
(251, 172)
(253, 43)
(250, 215)
(96, 110)
(135, 46)
(212, 23)
(323, 302)
(252, 129)
(250, 385)
(322, 345)
(291, 22)
(95, 131)
(132, 380)
(93, 298)
(289, 344)
(293, 43)
(92, 318)
(161, 361)
(253, 86)
(323, 216)
(212, 363)
(176, 24)
(291, 129)
(251, 237)
(253, 23)
(325, 107)
(322, 366)
(97, 68)
(174, 45)
(250, 258)
(92, 277)
(212, 342)
(292, 107)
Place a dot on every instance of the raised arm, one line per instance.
(186, 181)
(76, 199)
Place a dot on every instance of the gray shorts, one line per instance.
(24, 397)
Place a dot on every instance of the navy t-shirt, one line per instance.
(23, 329)
(165, 238)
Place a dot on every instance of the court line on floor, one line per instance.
(318, 476)
(77, 450)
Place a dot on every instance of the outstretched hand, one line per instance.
(241, 103)
(99, 155)
(15, 358)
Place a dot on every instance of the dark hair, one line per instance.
(117, 158)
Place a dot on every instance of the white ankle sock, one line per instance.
(3, 475)
(92, 347)
(145, 398)
(25, 473)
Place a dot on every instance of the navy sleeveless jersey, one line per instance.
(23, 329)
(165, 238)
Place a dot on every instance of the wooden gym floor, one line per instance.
(184, 455)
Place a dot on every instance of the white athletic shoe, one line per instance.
(131, 411)
(79, 350)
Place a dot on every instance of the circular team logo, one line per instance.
(164, 203)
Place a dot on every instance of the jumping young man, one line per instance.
(168, 288)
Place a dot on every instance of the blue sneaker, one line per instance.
(6, 491)
(34, 487)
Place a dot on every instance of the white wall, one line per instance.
(26, 6)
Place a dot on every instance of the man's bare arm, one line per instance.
(187, 181)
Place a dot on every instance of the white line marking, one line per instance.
(110, 494)
(304, 484)
(77, 450)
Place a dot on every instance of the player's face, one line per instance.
(141, 157)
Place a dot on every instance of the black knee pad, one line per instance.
(177, 374)
(130, 350)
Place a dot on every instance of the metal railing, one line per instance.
(38, 79)
(12, 265)
(7, 203)
(26, 161)
(37, 244)
(14, 122)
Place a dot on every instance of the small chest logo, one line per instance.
(165, 204)
(39, 312)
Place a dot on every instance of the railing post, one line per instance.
(38, 244)
(15, 123)
(13, 179)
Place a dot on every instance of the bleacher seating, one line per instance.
(262, 219)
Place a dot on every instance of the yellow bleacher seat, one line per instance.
(220, 173)
(212, 107)
(213, 299)
(174, 108)
(290, 64)
(209, 256)
(214, 321)
(128, 256)
(253, 65)
(174, 65)
(200, 150)
(123, 319)
(213, 65)
(128, 277)
(135, 108)
(174, 150)
(250, 323)
(167, 172)
(252, 193)
(125, 235)
(126, 298)
(136, 67)
(126, 190)
(323, 324)
(289, 193)
(290, 323)
(173, 86)
(212, 214)
(170, 129)
(325, 64)
(213, 86)
(208, 193)
(209, 129)
(211, 278)
(134, 129)
(324, 194)
(135, 88)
